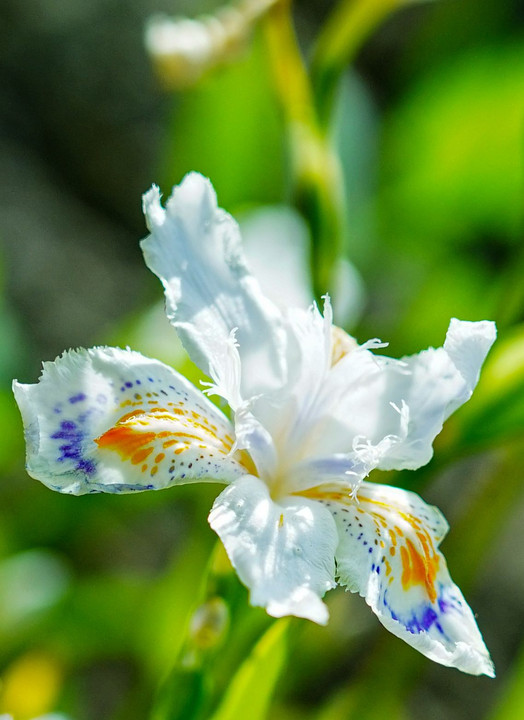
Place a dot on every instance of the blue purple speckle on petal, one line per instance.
(71, 448)
(423, 618)
(88, 466)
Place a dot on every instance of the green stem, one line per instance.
(344, 33)
(186, 691)
(317, 180)
(221, 630)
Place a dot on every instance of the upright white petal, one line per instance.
(110, 420)
(284, 552)
(195, 250)
(345, 405)
(289, 414)
(388, 553)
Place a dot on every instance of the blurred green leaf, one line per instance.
(355, 126)
(183, 696)
(511, 704)
(11, 430)
(30, 583)
(171, 602)
(453, 153)
(229, 129)
(12, 349)
(250, 691)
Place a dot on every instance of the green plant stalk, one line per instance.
(250, 691)
(220, 631)
(316, 174)
(186, 692)
(344, 33)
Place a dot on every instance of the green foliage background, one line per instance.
(96, 592)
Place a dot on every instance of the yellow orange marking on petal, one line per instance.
(169, 443)
(341, 344)
(321, 493)
(418, 569)
(124, 440)
(418, 556)
(419, 565)
(245, 459)
(129, 415)
(141, 455)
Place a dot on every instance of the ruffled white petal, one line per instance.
(195, 250)
(341, 404)
(467, 344)
(439, 382)
(388, 553)
(110, 420)
(368, 398)
(289, 414)
(284, 552)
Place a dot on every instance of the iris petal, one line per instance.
(110, 420)
(284, 552)
(388, 552)
(195, 250)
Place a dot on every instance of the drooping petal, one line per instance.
(283, 552)
(388, 553)
(195, 250)
(110, 420)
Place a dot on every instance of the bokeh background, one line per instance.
(95, 592)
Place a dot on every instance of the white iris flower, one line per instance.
(312, 414)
